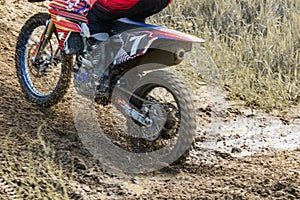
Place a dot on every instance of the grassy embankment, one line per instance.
(255, 45)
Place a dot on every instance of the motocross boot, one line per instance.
(100, 74)
(90, 77)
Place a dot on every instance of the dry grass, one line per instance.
(255, 45)
(29, 169)
(32, 173)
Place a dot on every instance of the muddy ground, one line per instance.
(251, 156)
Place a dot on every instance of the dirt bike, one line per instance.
(48, 43)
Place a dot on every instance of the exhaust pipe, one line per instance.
(179, 55)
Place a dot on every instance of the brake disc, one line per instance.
(158, 116)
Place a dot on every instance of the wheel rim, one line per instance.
(166, 133)
(40, 80)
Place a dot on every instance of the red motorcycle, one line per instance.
(51, 46)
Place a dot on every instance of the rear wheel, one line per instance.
(44, 79)
(163, 98)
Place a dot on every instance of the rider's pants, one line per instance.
(100, 18)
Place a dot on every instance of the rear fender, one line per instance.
(169, 34)
(167, 44)
(174, 42)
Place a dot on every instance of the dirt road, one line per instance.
(217, 170)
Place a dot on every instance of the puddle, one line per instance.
(244, 136)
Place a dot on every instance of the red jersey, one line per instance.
(116, 5)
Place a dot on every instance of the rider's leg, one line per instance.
(145, 8)
(99, 25)
(100, 18)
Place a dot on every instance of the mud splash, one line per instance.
(246, 136)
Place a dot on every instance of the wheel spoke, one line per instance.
(48, 84)
(43, 80)
(40, 83)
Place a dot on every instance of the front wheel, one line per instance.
(169, 106)
(46, 78)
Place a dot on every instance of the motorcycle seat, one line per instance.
(125, 24)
